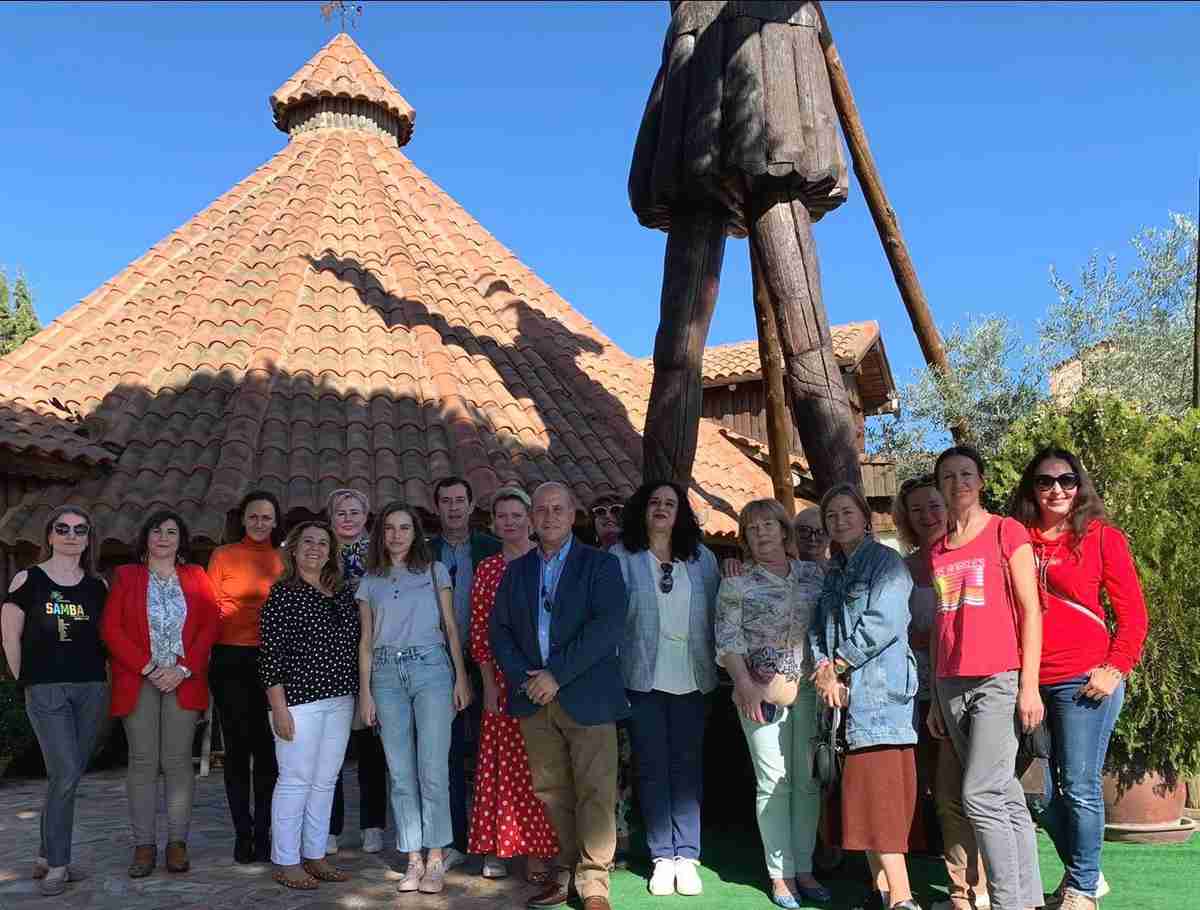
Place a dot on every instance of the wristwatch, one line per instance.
(840, 666)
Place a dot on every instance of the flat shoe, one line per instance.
(324, 871)
(494, 867)
(308, 883)
(820, 894)
(177, 857)
(40, 867)
(145, 858)
(434, 878)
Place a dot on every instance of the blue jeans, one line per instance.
(666, 733)
(1074, 812)
(413, 690)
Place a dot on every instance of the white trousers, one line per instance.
(308, 770)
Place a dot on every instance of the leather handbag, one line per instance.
(829, 749)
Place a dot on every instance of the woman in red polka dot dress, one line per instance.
(506, 818)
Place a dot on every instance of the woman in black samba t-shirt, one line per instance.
(51, 631)
(309, 666)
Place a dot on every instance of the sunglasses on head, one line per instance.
(613, 511)
(667, 582)
(1046, 482)
(804, 532)
(66, 530)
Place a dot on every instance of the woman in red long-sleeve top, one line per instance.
(159, 625)
(1079, 555)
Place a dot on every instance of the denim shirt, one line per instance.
(639, 648)
(862, 616)
(551, 573)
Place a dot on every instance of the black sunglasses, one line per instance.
(1046, 482)
(66, 530)
(613, 510)
(804, 532)
(667, 582)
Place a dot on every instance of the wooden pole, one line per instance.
(779, 423)
(884, 216)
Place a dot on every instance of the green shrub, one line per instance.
(16, 736)
(1148, 471)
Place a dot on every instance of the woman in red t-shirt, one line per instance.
(1079, 554)
(986, 651)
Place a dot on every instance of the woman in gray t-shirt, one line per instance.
(412, 682)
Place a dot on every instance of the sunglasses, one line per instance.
(65, 530)
(667, 582)
(1046, 482)
(613, 511)
(804, 532)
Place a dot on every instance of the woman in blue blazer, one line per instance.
(668, 662)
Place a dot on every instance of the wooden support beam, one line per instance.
(884, 216)
(779, 422)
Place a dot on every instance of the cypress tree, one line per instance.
(5, 314)
(23, 321)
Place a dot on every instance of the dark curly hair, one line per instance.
(685, 536)
(142, 550)
(1086, 508)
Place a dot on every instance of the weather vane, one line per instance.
(351, 12)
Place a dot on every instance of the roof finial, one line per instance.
(343, 10)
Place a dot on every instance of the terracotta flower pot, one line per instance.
(1145, 811)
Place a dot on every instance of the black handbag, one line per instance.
(1034, 744)
(829, 749)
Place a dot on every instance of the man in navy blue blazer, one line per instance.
(558, 617)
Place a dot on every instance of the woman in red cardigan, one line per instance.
(159, 625)
(1079, 555)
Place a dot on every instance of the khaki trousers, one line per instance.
(575, 776)
(964, 865)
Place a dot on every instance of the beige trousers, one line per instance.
(160, 736)
(964, 864)
(575, 776)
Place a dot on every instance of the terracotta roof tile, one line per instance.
(739, 360)
(335, 319)
(26, 431)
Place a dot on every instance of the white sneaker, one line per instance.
(372, 840)
(452, 858)
(662, 880)
(687, 877)
(331, 845)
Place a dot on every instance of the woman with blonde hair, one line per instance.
(859, 640)
(762, 624)
(51, 631)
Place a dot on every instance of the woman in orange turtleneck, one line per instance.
(242, 574)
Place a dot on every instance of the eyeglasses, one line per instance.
(65, 530)
(804, 532)
(1046, 482)
(613, 511)
(667, 582)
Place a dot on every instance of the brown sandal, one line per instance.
(325, 871)
(145, 858)
(308, 883)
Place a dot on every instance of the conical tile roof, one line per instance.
(336, 319)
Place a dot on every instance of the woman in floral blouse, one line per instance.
(762, 627)
(159, 625)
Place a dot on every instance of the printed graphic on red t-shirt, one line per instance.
(960, 584)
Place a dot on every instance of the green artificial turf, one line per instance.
(1141, 877)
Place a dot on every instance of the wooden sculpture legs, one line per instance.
(782, 239)
(691, 278)
(781, 233)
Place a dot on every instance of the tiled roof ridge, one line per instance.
(341, 69)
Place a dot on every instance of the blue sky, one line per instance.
(1010, 137)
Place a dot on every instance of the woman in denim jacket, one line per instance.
(859, 639)
(668, 661)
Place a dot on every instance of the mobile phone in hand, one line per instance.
(768, 711)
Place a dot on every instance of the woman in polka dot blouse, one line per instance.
(307, 660)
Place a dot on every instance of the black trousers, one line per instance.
(250, 765)
(464, 749)
(372, 785)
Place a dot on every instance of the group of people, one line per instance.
(532, 656)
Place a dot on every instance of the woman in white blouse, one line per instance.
(667, 659)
